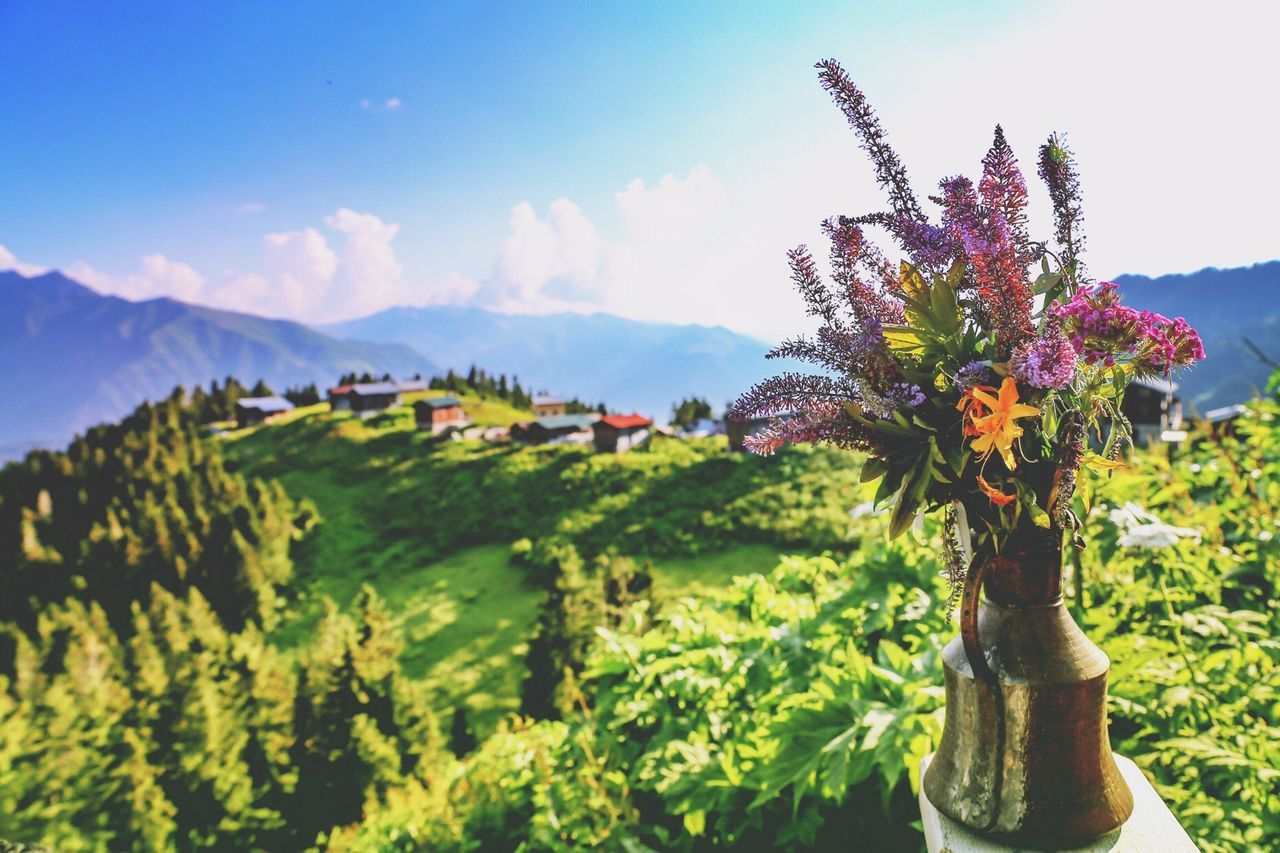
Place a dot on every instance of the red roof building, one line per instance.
(626, 421)
(620, 433)
(340, 398)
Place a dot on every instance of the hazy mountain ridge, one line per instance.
(1226, 306)
(629, 364)
(77, 358)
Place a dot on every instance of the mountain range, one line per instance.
(629, 364)
(1227, 307)
(75, 357)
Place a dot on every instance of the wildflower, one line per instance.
(972, 375)
(1101, 329)
(1058, 172)
(1004, 189)
(1141, 529)
(1156, 536)
(928, 245)
(999, 276)
(997, 497)
(890, 173)
(1047, 362)
(997, 430)
(905, 394)
(816, 422)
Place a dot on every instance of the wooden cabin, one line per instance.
(1151, 405)
(704, 428)
(438, 414)
(340, 398)
(251, 411)
(374, 396)
(549, 407)
(620, 433)
(370, 398)
(1222, 421)
(739, 430)
(556, 429)
(408, 385)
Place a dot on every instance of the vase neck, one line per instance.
(1027, 574)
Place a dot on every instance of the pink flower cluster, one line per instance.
(1049, 361)
(1101, 329)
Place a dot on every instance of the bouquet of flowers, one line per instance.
(973, 386)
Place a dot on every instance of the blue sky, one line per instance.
(322, 160)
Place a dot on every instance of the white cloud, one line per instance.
(365, 103)
(302, 277)
(249, 208)
(671, 208)
(156, 277)
(454, 290)
(664, 265)
(393, 103)
(544, 263)
(678, 250)
(300, 270)
(370, 271)
(9, 262)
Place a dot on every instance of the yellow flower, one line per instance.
(997, 431)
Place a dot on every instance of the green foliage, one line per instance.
(430, 524)
(689, 411)
(787, 711)
(189, 736)
(143, 502)
(793, 710)
(304, 395)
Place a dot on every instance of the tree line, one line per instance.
(143, 503)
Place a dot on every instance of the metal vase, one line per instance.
(1025, 754)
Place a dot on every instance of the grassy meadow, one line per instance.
(429, 524)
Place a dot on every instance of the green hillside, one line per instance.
(431, 525)
(313, 634)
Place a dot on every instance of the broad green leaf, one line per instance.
(912, 282)
(872, 469)
(903, 338)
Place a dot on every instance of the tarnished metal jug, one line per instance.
(1025, 754)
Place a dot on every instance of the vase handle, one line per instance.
(982, 671)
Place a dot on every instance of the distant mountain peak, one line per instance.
(88, 358)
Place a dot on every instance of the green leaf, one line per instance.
(695, 823)
(1047, 281)
(872, 469)
(903, 339)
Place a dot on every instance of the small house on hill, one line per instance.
(1151, 406)
(556, 429)
(738, 431)
(704, 428)
(340, 398)
(256, 410)
(549, 407)
(437, 414)
(620, 433)
(370, 398)
(1222, 421)
(408, 385)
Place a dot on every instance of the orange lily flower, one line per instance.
(997, 431)
(997, 497)
(971, 408)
